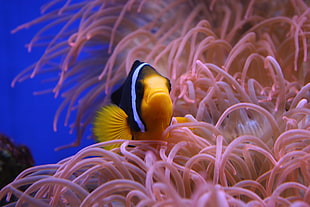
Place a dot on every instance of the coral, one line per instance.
(239, 72)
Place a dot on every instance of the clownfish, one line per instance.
(141, 108)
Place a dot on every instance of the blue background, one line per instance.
(24, 117)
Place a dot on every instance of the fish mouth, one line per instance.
(159, 102)
(157, 107)
(158, 95)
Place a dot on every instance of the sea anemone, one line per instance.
(239, 72)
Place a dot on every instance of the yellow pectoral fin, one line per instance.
(110, 124)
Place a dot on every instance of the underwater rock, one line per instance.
(13, 160)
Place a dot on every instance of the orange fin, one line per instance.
(182, 119)
(110, 124)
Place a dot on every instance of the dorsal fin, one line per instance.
(116, 96)
(136, 64)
